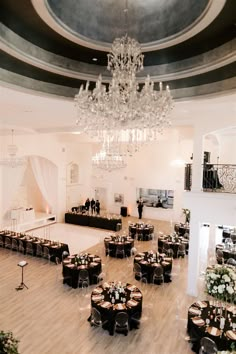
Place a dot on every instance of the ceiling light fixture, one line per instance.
(12, 160)
(124, 105)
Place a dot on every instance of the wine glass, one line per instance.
(207, 322)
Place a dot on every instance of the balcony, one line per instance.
(215, 178)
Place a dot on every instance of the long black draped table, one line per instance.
(93, 221)
(111, 298)
(211, 319)
(168, 242)
(72, 265)
(142, 231)
(228, 251)
(55, 248)
(148, 261)
(118, 246)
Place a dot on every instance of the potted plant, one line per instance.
(8, 344)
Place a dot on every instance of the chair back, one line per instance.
(1, 241)
(170, 253)
(14, 245)
(231, 261)
(83, 274)
(95, 317)
(208, 346)
(137, 268)
(39, 250)
(158, 272)
(121, 319)
(7, 242)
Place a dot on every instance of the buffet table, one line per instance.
(211, 319)
(55, 248)
(92, 221)
(72, 265)
(148, 261)
(118, 246)
(111, 298)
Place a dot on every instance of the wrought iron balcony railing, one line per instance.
(215, 178)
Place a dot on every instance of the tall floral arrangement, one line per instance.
(221, 282)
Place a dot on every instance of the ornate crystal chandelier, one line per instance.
(12, 160)
(125, 105)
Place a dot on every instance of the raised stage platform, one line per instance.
(40, 220)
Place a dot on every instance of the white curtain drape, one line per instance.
(12, 178)
(46, 176)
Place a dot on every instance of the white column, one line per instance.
(193, 256)
(197, 163)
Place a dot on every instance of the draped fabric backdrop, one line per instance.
(12, 178)
(46, 175)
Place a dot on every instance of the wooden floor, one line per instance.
(51, 318)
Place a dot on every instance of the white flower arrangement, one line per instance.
(221, 282)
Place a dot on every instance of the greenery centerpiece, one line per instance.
(8, 344)
(221, 282)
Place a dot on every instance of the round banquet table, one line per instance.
(111, 298)
(114, 242)
(148, 261)
(197, 327)
(181, 229)
(142, 231)
(228, 252)
(72, 265)
(172, 244)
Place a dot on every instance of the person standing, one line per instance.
(92, 203)
(97, 206)
(140, 208)
(87, 204)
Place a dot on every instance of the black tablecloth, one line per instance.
(109, 313)
(71, 270)
(196, 332)
(172, 245)
(92, 221)
(227, 253)
(142, 231)
(147, 264)
(55, 248)
(113, 243)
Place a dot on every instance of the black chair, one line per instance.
(96, 319)
(135, 320)
(181, 250)
(14, 245)
(83, 279)
(39, 250)
(29, 248)
(7, 242)
(121, 323)
(139, 275)
(158, 275)
(220, 256)
(231, 261)
(208, 346)
(120, 251)
(21, 247)
(1, 241)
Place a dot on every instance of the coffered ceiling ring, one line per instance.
(207, 16)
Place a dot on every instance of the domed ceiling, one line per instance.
(52, 46)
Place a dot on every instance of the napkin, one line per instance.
(137, 295)
(198, 321)
(119, 306)
(96, 297)
(132, 303)
(97, 259)
(93, 264)
(214, 331)
(194, 311)
(97, 291)
(70, 265)
(106, 304)
(231, 334)
(201, 304)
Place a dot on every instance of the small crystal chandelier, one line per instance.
(108, 161)
(12, 160)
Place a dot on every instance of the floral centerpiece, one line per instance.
(8, 344)
(186, 213)
(221, 282)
